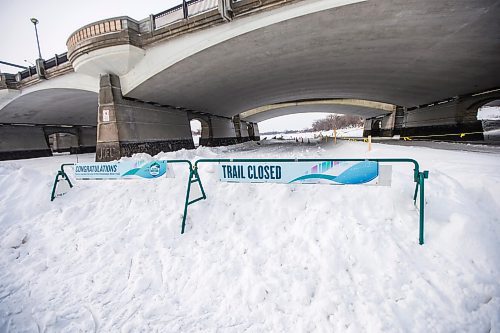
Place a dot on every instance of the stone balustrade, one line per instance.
(96, 29)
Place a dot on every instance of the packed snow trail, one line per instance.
(108, 256)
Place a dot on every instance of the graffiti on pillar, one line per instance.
(107, 152)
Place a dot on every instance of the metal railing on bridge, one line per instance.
(57, 60)
(183, 11)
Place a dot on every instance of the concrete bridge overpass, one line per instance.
(419, 66)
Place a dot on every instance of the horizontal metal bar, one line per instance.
(195, 200)
(66, 164)
(290, 160)
(180, 161)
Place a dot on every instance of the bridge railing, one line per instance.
(57, 60)
(30, 71)
(196, 7)
(168, 16)
(181, 12)
(96, 29)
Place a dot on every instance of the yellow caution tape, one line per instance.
(461, 135)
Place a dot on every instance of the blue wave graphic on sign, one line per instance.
(150, 170)
(360, 173)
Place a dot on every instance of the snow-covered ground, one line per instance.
(196, 139)
(108, 256)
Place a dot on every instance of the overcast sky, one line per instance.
(58, 19)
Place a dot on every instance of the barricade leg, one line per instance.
(416, 192)
(422, 177)
(193, 178)
(63, 176)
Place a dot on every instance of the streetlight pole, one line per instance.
(35, 22)
(40, 63)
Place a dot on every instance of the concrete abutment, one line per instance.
(126, 127)
(455, 120)
(23, 141)
(223, 131)
(75, 139)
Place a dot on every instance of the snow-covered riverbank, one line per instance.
(108, 256)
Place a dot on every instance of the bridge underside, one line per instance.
(398, 52)
(29, 120)
(52, 106)
(292, 108)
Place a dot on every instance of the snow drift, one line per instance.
(108, 256)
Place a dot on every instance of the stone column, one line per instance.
(253, 131)
(387, 126)
(256, 132)
(86, 140)
(241, 129)
(244, 131)
(222, 132)
(126, 127)
(367, 128)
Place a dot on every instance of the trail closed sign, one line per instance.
(121, 170)
(323, 172)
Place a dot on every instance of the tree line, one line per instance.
(332, 121)
(336, 121)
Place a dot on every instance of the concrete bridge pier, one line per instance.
(381, 126)
(444, 120)
(253, 131)
(454, 119)
(75, 139)
(63, 142)
(241, 129)
(23, 141)
(86, 140)
(126, 127)
(223, 131)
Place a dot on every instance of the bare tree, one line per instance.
(336, 121)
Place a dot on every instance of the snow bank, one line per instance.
(108, 255)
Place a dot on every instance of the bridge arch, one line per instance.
(69, 99)
(61, 106)
(363, 108)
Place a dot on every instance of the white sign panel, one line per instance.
(121, 170)
(322, 172)
(105, 115)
